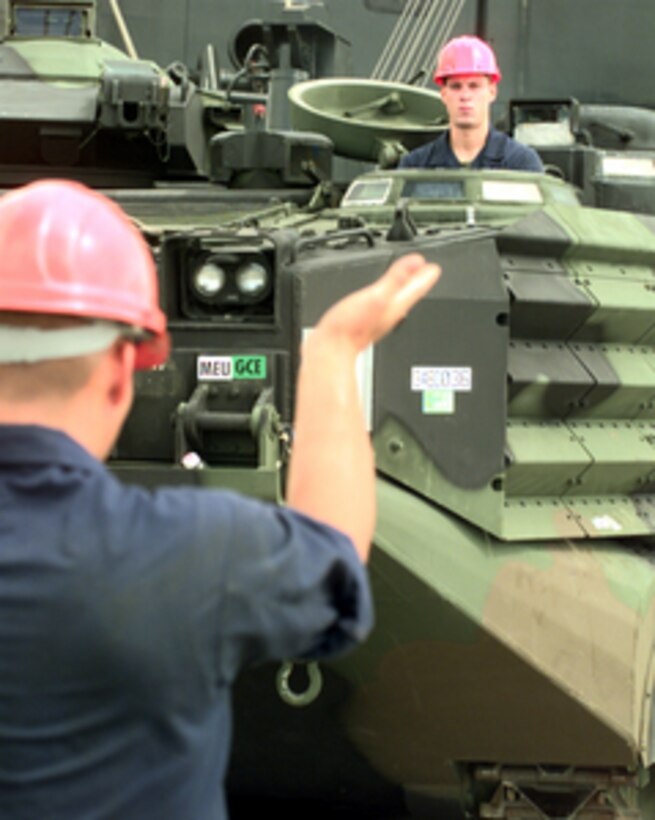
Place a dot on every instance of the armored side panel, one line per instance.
(570, 360)
(466, 403)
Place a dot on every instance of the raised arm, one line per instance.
(332, 472)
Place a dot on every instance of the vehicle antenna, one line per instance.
(122, 27)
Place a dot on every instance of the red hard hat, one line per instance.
(67, 250)
(466, 55)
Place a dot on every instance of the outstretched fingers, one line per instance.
(365, 316)
(406, 281)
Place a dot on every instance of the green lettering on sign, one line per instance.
(249, 367)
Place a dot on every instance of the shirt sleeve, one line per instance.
(421, 157)
(291, 587)
(409, 160)
(525, 158)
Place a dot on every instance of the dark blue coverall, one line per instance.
(499, 151)
(125, 616)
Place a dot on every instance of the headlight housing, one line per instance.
(221, 283)
(208, 280)
(252, 279)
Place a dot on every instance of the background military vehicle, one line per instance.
(545, 52)
(73, 105)
(511, 671)
(544, 46)
(606, 151)
(86, 108)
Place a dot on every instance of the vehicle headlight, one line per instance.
(208, 280)
(251, 279)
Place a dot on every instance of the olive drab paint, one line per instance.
(511, 416)
(512, 668)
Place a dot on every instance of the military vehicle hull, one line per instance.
(511, 671)
(490, 664)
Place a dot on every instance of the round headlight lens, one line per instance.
(208, 280)
(252, 279)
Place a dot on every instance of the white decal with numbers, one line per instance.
(458, 379)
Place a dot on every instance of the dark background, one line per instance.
(595, 50)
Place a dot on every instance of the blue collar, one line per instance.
(493, 149)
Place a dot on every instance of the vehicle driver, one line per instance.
(126, 614)
(468, 76)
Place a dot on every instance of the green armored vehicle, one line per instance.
(511, 671)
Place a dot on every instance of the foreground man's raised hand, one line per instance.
(332, 472)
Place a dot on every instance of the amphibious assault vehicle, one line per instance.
(511, 671)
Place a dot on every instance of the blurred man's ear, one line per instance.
(120, 387)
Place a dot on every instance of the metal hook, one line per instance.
(314, 685)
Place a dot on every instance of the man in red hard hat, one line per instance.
(468, 76)
(125, 615)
